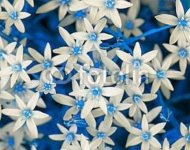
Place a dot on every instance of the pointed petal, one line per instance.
(12, 112)
(66, 36)
(33, 101)
(167, 19)
(32, 127)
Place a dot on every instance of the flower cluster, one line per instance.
(92, 74)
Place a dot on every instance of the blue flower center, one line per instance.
(70, 137)
(47, 86)
(93, 36)
(145, 136)
(80, 104)
(111, 109)
(161, 74)
(183, 23)
(47, 64)
(19, 88)
(136, 63)
(27, 113)
(17, 68)
(77, 50)
(188, 138)
(79, 15)
(137, 125)
(96, 91)
(1, 55)
(10, 142)
(183, 53)
(63, 2)
(14, 15)
(101, 135)
(136, 98)
(97, 64)
(129, 25)
(110, 4)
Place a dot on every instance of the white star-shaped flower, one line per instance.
(93, 36)
(14, 14)
(47, 63)
(17, 68)
(26, 114)
(109, 8)
(182, 22)
(145, 135)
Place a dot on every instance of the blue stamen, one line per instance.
(145, 136)
(101, 135)
(70, 137)
(110, 4)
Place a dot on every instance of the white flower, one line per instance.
(68, 136)
(162, 74)
(145, 135)
(137, 62)
(84, 145)
(185, 140)
(130, 23)
(10, 140)
(101, 136)
(76, 104)
(94, 94)
(137, 99)
(47, 63)
(17, 68)
(46, 86)
(181, 22)
(93, 37)
(26, 114)
(114, 107)
(109, 8)
(53, 4)
(6, 50)
(75, 51)
(76, 17)
(179, 53)
(13, 14)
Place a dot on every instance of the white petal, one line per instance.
(115, 18)
(88, 26)
(37, 56)
(32, 127)
(19, 123)
(20, 103)
(47, 7)
(154, 142)
(57, 60)
(167, 83)
(39, 114)
(101, 24)
(25, 76)
(33, 101)
(145, 124)
(63, 99)
(124, 56)
(149, 56)
(183, 129)
(20, 26)
(19, 5)
(12, 112)
(47, 53)
(122, 120)
(103, 105)
(122, 4)
(66, 36)
(179, 9)
(89, 104)
(157, 128)
(176, 33)
(111, 91)
(6, 95)
(167, 19)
